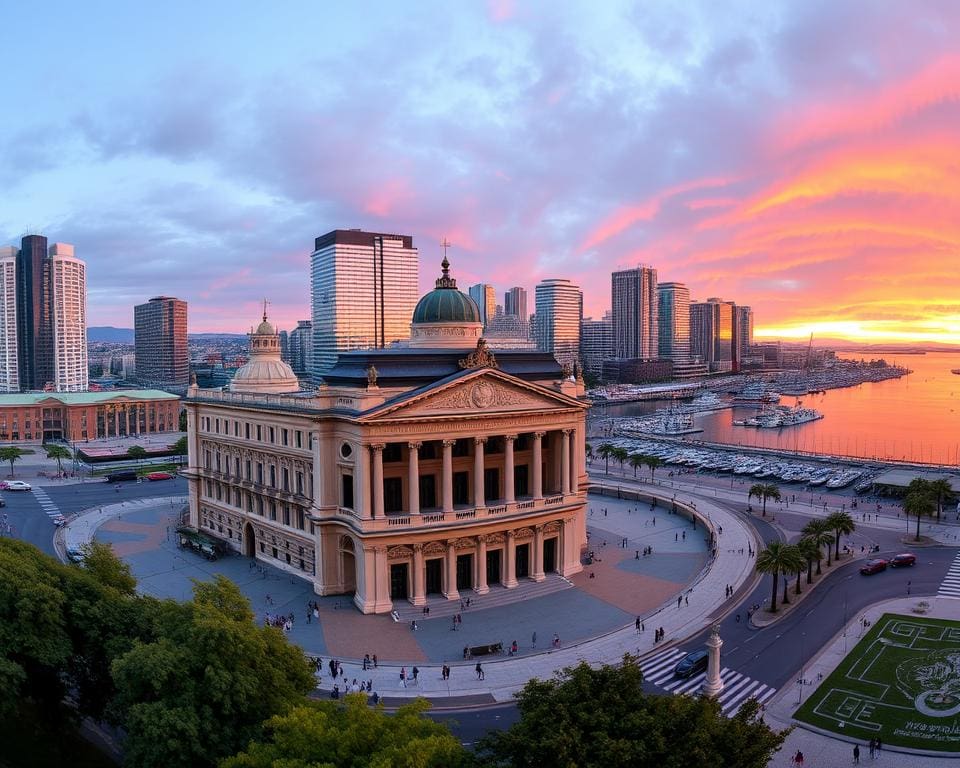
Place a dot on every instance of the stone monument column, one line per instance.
(712, 685)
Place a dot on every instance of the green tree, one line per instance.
(775, 559)
(605, 451)
(637, 460)
(597, 718)
(182, 420)
(819, 532)
(764, 491)
(103, 565)
(941, 490)
(353, 735)
(841, 524)
(137, 452)
(180, 448)
(811, 552)
(621, 455)
(653, 463)
(201, 690)
(58, 452)
(920, 504)
(12, 454)
(588, 452)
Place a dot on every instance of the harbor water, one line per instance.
(915, 418)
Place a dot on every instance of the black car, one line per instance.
(119, 477)
(692, 664)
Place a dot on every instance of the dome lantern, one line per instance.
(446, 317)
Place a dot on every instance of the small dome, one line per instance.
(265, 328)
(266, 372)
(445, 303)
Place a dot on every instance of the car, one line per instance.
(75, 555)
(903, 560)
(873, 566)
(159, 476)
(59, 520)
(116, 477)
(17, 485)
(691, 664)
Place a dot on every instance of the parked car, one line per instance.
(75, 555)
(692, 664)
(903, 560)
(118, 477)
(17, 485)
(159, 476)
(874, 566)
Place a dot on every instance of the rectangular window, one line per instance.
(273, 510)
(259, 432)
(286, 479)
(300, 483)
(299, 439)
(286, 514)
(272, 435)
(246, 429)
(285, 436)
(247, 476)
(346, 488)
(218, 426)
(260, 472)
(273, 476)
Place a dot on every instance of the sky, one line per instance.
(799, 157)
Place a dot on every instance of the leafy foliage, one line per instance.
(101, 563)
(58, 452)
(12, 454)
(779, 558)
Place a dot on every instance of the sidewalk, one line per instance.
(81, 529)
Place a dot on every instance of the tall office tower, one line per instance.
(284, 346)
(673, 321)
(301, 347)
(703, 323)
(160, 342)
(363, 290)
(69, 279)
(515, 302)
(724, 348)
(596, 343)
(9, 376)
(742, 334)
(486, 299)
(634, 306)
(559, 305)
(34, 314)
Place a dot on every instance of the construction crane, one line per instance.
(806, 365)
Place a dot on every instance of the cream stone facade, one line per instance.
(410, 472)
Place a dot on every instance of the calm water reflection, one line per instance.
(915, 418)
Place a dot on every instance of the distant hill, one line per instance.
(110, 334)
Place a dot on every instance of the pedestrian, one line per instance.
(908, 587)
(403, 677)
(738, 618)
(637, 624)
(684, 535)
(533, 640)
(878, 746)
(679, 600)
(686, 600)
(676, 537)
(856, 754)
(479, 670)
(366, 661)
(662, 633)
(374, 661)
(872, 748)
(416, 674)
(798, 758)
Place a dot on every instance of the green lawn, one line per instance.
(901, 683)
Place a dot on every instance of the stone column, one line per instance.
(447, 479)
(318, 489)
(538, 574)
(508, 490)
(376, 478)
(537, 461)
(419, 590)
(565, 462)
(480, 586)
(510, 553)
(713, 683)
(413, 478)
(116, 422)
(126, 420)
(478, 493)
(451, 592)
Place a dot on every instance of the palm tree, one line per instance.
(654, 463)
(58, 452)
(941, 489)
(811, 552)
(775, 559)
(764, 491)
(920, 504)
(605, 451)
(621, 455)
(11, 453)
(819, 532)
(637, 460)
(840, 523)
(136, 452)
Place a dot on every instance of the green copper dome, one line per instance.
(445, 303)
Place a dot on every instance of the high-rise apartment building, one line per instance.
(515, 302)
(160, 338)
(9, 370)
(596, 343)
(49, 310)
(742, 334)
(301, 348)
(711, 333)
(673, 321)
(486, 299)
(363, 290)
(559, 312)
(634, 307)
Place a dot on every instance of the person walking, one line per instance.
(479, 670)
(403, 677)
(416, 675)
(878, 746)
(798, 758)
(637, 624)
(872, 747)
(533, 640)
(856, 754)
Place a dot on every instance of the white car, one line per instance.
(18, 485)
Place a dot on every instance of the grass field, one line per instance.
(900, 683)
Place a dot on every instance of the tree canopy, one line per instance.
(587, 717)
(12, 454)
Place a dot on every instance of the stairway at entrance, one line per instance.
(440, 607)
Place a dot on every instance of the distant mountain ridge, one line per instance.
(110, 334)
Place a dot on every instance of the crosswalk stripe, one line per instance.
(680, 684)
(757, 694)
(692, 684)
(739, 696)
(730, 690)
(659, 664)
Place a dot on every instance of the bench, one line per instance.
(486, 650)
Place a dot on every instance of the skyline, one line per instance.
(789, 158)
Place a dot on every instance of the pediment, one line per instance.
(483, 394)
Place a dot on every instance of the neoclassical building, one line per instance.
(434, 468)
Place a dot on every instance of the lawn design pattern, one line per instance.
(901, 683)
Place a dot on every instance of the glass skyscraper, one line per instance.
(673, 321)
(634, 308)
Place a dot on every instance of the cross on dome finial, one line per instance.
(445, 281)
(265, 310)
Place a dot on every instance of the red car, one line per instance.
(874, 566)
(159, 476)
(903, 560)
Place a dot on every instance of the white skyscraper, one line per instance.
(559, 311)
(69, 276)
(9, 372)
(363, 290)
